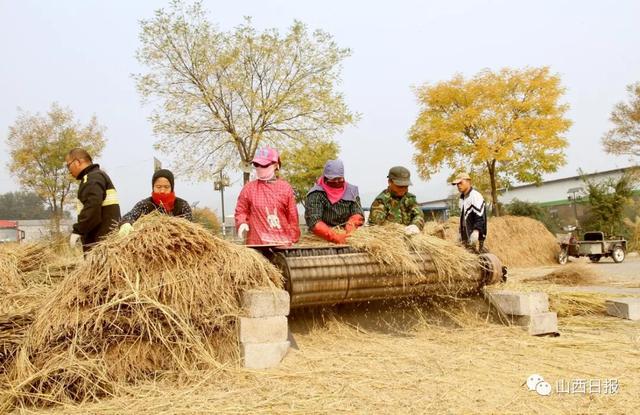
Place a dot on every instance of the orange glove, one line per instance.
(354, 223)
(325, 232)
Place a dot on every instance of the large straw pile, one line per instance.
(521, 242)
(163, 298)
(518, 241)
(24, 271)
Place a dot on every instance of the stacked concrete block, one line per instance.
(530, 310)
(263, 330)
(627, 308)
(539, 323)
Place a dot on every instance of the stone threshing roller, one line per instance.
(340, 274)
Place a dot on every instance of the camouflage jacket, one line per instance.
(386, 208)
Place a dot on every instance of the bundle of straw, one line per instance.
(10, 279)
(164, 298)
(457, 268)
(17, 260)
(388, 244)
(17, 312)
(12, 330)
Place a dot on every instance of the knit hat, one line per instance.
(163, 173)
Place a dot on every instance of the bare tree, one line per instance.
(220, 95)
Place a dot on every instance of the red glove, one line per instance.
(354, 223)
(325, 232)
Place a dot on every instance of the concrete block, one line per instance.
(265, 303)
(263, 355)
(628, 308)
(263, 329)
(540, 323)
(520, 303)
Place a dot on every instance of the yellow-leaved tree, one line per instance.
(38, 144)
(303, 164)
(509, 125)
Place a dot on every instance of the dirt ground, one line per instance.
(420, 357)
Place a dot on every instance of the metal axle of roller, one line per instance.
(340, 274)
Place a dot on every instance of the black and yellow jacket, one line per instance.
(98, 206)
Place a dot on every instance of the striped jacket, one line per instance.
(319, 208)
(473, 215)
(98, 207)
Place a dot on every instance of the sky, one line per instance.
(81, 54)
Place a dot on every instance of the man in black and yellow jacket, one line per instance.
(98, 206)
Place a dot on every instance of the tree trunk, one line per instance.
(494, 191)
(56, 218)
(245, 177)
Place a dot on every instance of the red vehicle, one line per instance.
(9, 231)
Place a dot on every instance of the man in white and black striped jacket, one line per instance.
(473, 213)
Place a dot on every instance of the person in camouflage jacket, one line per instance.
(395, 204)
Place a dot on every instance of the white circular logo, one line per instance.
(533, 380)
(543, 388)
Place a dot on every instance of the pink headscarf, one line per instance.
(334, 194)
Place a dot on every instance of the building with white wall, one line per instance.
(556, 192)
(35, 230)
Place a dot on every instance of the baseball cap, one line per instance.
(400, 176)
(460, 177)
(265, 156)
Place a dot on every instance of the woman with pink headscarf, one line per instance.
(266, 211)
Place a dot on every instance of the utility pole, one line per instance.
(574, 196)
(219, 184)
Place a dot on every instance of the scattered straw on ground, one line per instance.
(411, 359)
(163, 298)
(570, 274)
(565, 299)
(518, 241)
